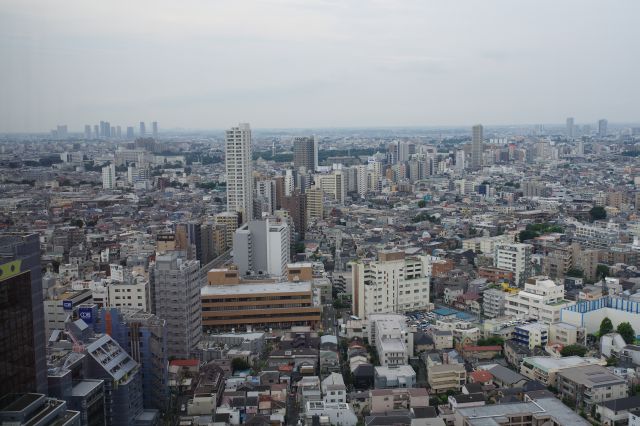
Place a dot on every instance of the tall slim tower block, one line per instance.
(239, 171)
(476, 147)
(305, 153)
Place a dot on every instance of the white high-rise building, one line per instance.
(476, 147)
(602, 128)
(239, 171)
(109, 176)
(289, 182)
(460, 160)
(263, 247)
(515, 258)
(395, 283)
(154, 129)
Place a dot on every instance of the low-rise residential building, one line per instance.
(544, 411)
(338, 414)
(532, 335)
(566, 334)
(386, 400)
(400, 376)
(334, 389)
(545, 368)
(442, 339)
(590, 384)
(617, 411)
(444, 377)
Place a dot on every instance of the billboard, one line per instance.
(67, 305)
(86, 314)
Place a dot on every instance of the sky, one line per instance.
(210, 64)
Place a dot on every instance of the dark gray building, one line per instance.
(23, 366)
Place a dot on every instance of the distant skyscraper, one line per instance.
(154, 129)
(305, 153)
(239, 171)
(109, 176)
(143, 130)
(23, 366)
(476, 147)
(87, 131)
(570, 127)
(130, 134)
(96, 131)
(118, 132)
(602, 128)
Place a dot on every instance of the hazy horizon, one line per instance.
(284, 64)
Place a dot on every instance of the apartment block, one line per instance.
(394, 283)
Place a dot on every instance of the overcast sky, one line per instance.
(317, 63)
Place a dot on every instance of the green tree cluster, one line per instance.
(606, 326)
(597, 213)
(573, 350)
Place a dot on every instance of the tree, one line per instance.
(422, 204)
(598, 213)
(239, 364)
(527, 235)
(575, 272)
(627, 332)
(573, 350)
(606, 326)
(602, 271)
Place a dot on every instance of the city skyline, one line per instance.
(386, 63)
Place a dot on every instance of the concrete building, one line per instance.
(398, 376)
(133, 293)
(315, 206)
(515, 258)
(305, 153)
(338, 414)
(334, 389)
(296, 205)
(476, 147)
(176, 289)
(333, 184)
(493, 303)
(543, 411)
(595, 236)
(60, 309)
(590, 384)
(532, 335)
(23, 366)
(262, 247)
(602, 128)
(273, 305)
(109, 176)
(589, 314)
(444, 377)
(545, 368)
(108, 361)
(566, 334)
(231, 222)
(394, 283)
(392, 338)
(238, 164)
(542, 300)
(144, 337)
(36, 409)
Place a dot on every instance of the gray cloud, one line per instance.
(288, 63)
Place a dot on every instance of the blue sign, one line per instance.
(67, 305)
(86, 315)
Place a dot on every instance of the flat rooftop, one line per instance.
(283, 287)
(547, 363)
